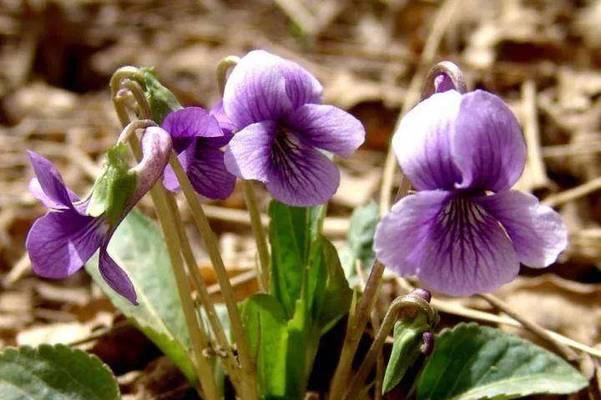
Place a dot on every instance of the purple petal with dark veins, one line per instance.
(187, 123)
(300, 175)
(453, 244)
(537, 231)
(208, 175)
(327, 127)
(61, 242)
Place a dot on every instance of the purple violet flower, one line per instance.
(197, 138)
(465, 231)
(273, 105)
(63, 240)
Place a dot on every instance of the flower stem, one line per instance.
(230, 362)
(222, 70)
(198, 338)
(356, 326)
(390, 318)
(259, 233)
(202, 224)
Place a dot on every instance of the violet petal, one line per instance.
(328, 128)
(537, 231)
(402, 231)
(466, 251)
(263, 87)
(49, 187)
(187, 123)
(61, 242)
(488, 146)
(208, 175)
(300, 175)
(248, 153)
(451, 243)
(422, 143)
(116, 277)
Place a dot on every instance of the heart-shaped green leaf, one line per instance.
(473, 362)
(54, 372)
(138, 247)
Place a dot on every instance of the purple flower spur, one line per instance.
(197, 138)
(464, 231)
(281, 130)
(62, 241)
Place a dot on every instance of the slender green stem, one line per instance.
(259, 233)
(390, 318)
(356, 326)
(230, 362)
(210, 240)
(198, 338)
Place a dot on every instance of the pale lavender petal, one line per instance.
(255, 90)
(328, 128)
(537, 231)
(301, 86)
(422, 143)
(187, 123)
(300, 175)
(208, 175)
(402, 232)
(248, 153)
(115, 277)
(466, 251)
(61, 242)
(49, 187)
(488, 146)
(169, 179)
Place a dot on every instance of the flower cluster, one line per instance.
(465, 231)
(269, 127)
(279, 134)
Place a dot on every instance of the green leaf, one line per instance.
(360, 238)
(54, 372)
(405, 349)
(329, 292)
(475, 362)
(160, 99)
(265, 324)
(138, 247)
(292, 230)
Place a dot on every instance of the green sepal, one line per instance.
(161, 100)
(114, 187)
(406, 349)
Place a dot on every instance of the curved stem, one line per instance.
(356, 326)
(223, 68)
(198, 339)
(390, 318)
(230, 361)
(259, 234)
(204, 228)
